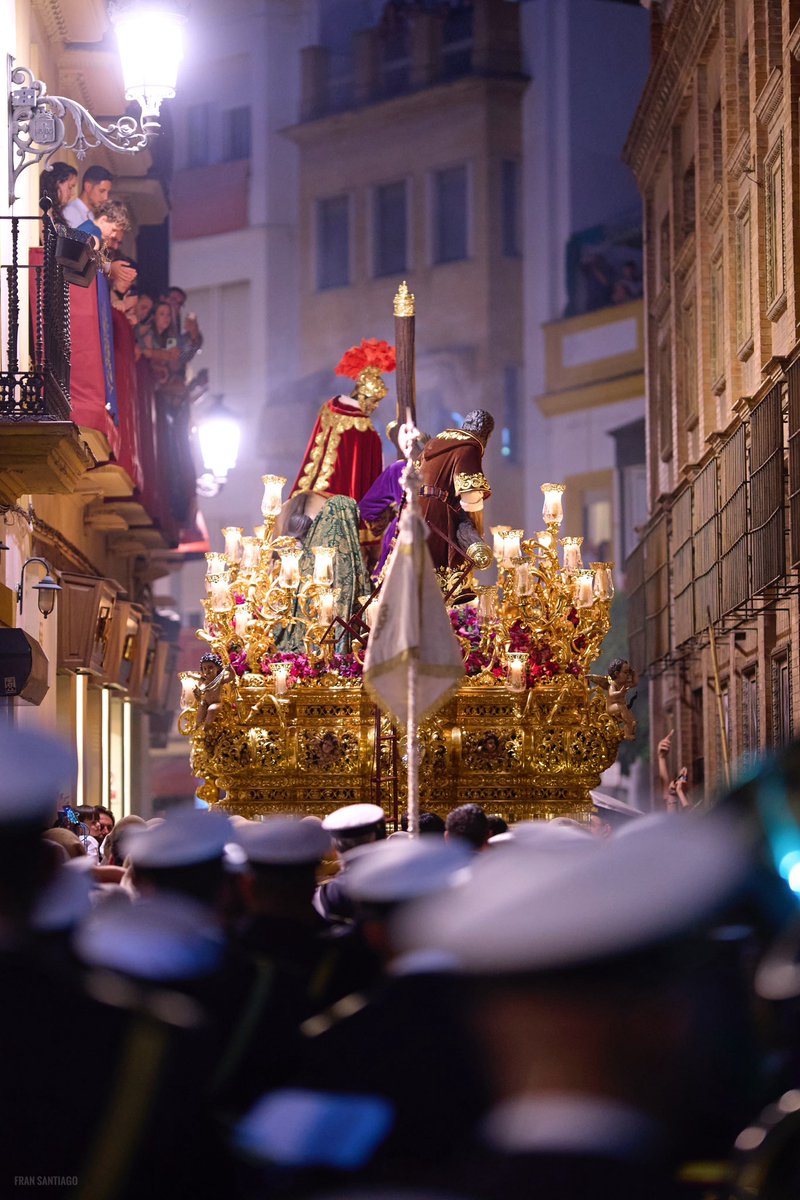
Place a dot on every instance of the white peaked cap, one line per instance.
(284, 841)
(161, 938)
(184, 839)
(37, 772)
(392, 871)
(352, 817)
(523, 911)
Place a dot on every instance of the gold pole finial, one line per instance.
(404, 302)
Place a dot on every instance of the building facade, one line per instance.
(410, 149)
(87, 461)
(716, 152)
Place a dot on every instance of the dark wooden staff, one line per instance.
(404, 332)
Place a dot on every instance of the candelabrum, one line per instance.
(546, 615)
(261, 603)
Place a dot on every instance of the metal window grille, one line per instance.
(706, 546)
(793, 377)
(734, 564)
(682, 556)
(767, 548)
(656, 572)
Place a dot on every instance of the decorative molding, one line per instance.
(793, 43)
(770, 98)
(740, 156)
(661, 305)
(684, 36)
(712, 209)
(685, 259)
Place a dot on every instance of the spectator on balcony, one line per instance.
(58, 185)
(629, 286)
(95, 190)
(144, 309)
(159, 345)
(109, 223)
(186, 330)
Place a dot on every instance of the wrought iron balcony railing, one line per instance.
(34, 316)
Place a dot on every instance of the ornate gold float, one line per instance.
(527, 734)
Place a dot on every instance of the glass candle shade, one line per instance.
(251, 551)
(215, 563)
(511, 547)
(327, 606)
(289, 576)
(572, 553)
(280, 673)
(219, 593)
(260, 532)
(323, 564)
(487, 602)
(552, 510)
(233, 542)
(603, 582)
(584, 592)
(517, 669)
(498, 534)
(523, 584)
(189, 681)
(271, 501)
(241, 619)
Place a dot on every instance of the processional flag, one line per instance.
(412, 646)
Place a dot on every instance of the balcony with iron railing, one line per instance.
(79, 409)
(724, 548)
(415, 46)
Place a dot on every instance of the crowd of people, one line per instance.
(165, 336)
(205, 1005)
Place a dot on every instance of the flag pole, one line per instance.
(411, 486)
(404, 340)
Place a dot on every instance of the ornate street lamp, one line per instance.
(150, 37)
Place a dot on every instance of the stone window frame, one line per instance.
(744, 295)
(717, 327)
(774, 229)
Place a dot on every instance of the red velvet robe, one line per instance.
(344, 455)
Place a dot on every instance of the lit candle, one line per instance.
(219, 593)
(553, 511)
(584, 594)
(572, 553)
(327, 605)
(233, 543)
(251, 549)
(271, 501)
(487, 601)
(215, 563)
(189, 681)
(323, 564)
(241, 619)
(522, 579)
(517, 665)
(290, 568)
(603, 582)
(511, 547)
(499, 533)
(280, 672)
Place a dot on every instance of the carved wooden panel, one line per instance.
(85, 614)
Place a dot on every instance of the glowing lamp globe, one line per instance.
(150, 38)
(219, 434)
